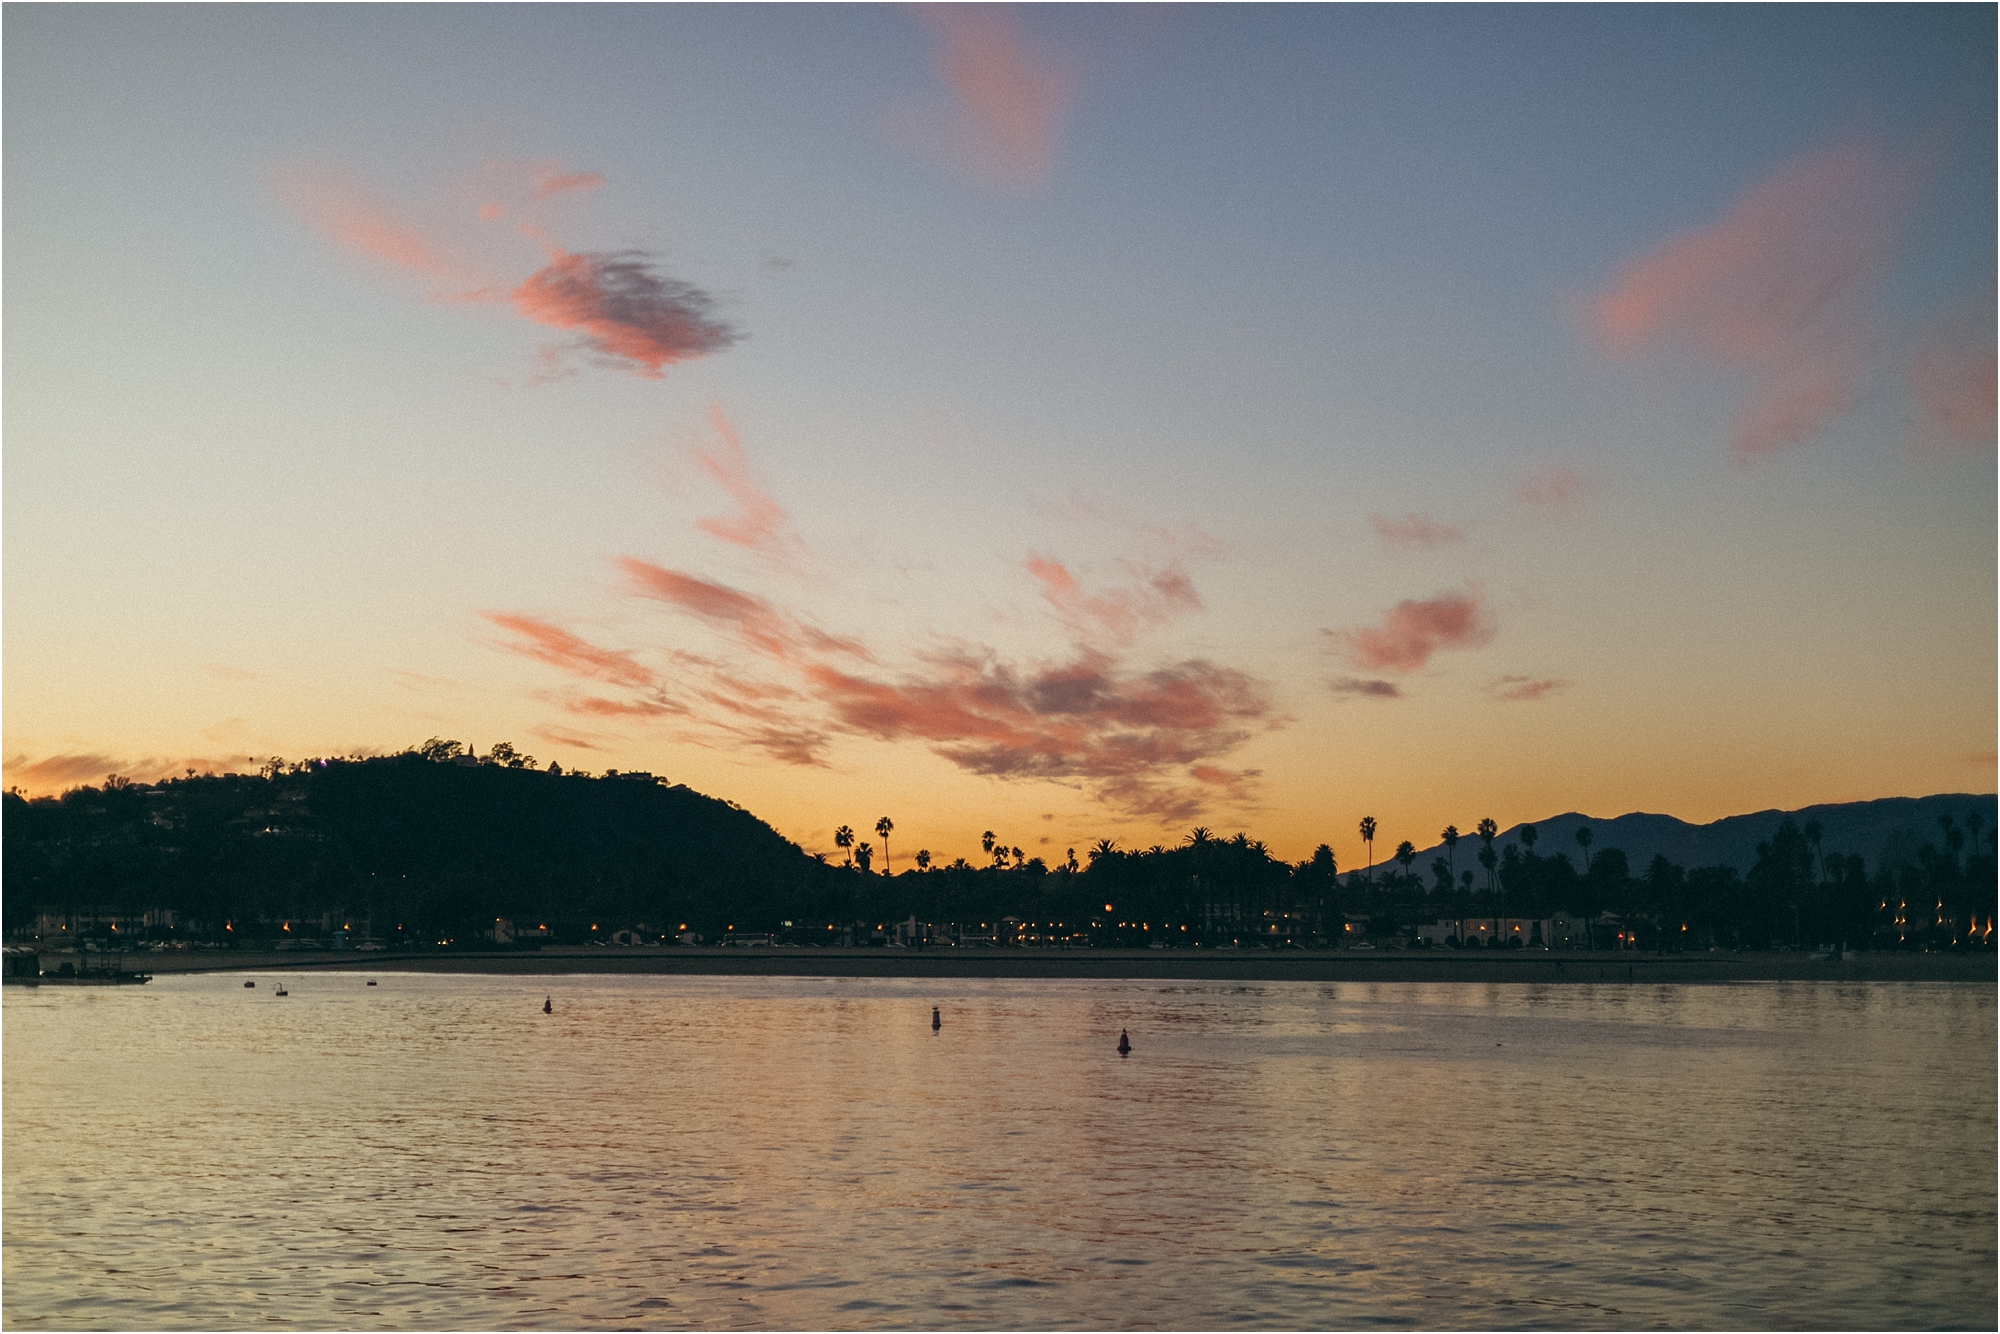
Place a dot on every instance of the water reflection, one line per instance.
(437, 1152)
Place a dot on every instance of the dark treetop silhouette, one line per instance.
(435, 844)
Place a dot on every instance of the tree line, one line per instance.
(433, 844)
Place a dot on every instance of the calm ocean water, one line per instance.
(434, 1152)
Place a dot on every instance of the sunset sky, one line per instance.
(1073, 422)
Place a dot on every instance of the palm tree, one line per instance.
(882, 827)
(986, 842)
(1954, 838)
(843, 838)
(923, 859)
(1368, 837)
(1583, 841)
(1102, 848)
(1450, 837)
(1528, 836)
(1406, 852)
(1487, 831)
(862, 856)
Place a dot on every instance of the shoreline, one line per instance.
(1224, 965)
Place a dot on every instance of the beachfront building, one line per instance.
(1559, 931)
(505, 931)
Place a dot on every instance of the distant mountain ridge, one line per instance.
(1889, 827)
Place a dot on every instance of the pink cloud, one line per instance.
(1411, 631)
(1781, 288)
(1008, 99)
(1082, 719)
(1151, 597)
(624, 311)
(560, 649)
(1557, 492)
(760, 524)
(349, 213)
(750, 619)
(1524, 688)
(1952, 379)
(1415, 530)
(517, 185)
(1149, 742)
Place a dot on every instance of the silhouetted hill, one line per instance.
(1887, 831)
(403, 841)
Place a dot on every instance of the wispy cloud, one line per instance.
(1525, 688)
(551, 180)
(1008, 97)
(1411, 631)
(1415, 530)
(625, 312)
(356, 217)
(592, 706)
(1082, 719)
(760, 523)
(1134, 737)
(1952, 378)
(506, 186)
(1147, 597)
(1781, 287)
(563, 736)
(746, 618)
(1557, 492)
(1371, 689)
(557, 647)
(56, 773)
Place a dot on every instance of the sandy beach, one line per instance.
(1165, 965)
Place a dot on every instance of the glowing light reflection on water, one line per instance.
(435, 1152)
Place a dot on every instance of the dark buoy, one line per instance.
(371, 981)
(283, 992)
(548, 1004)
(1124, 1043)
(249, 984)
(936, 1023)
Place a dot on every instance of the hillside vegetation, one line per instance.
(434, 845)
